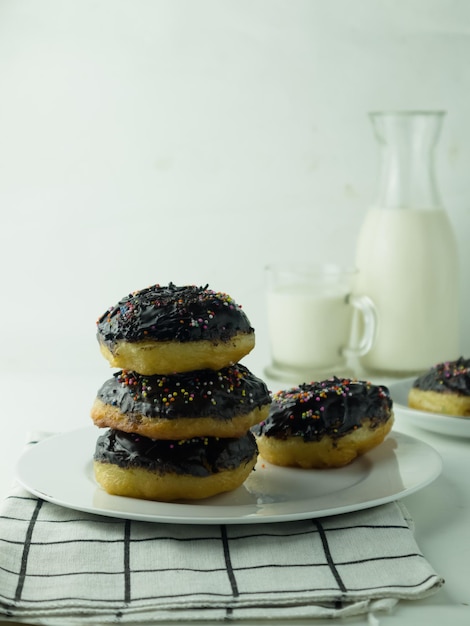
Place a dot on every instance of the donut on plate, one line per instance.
(324, 424)
(222, 403)
(128, 464)
(444, 388)
(168, 329)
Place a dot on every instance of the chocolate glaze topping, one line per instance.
(171, 313)
(331, 408)
(200, 456)
(447, 377)
(221, 394)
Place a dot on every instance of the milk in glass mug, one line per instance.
(310, 314)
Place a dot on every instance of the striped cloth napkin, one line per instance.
(60, 566)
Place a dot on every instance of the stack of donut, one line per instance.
(179, 410)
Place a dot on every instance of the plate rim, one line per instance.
(250, 518)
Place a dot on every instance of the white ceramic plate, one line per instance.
(434, 422)
(60, 470)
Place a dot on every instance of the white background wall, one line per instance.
(196, 140)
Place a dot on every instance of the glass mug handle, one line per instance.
(367, 310)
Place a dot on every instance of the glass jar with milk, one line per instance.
(406, 253)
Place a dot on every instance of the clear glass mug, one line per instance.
(311, 313)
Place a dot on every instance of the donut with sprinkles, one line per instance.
(168, 329)
(444, 388)
(324, 424)
(222, 403)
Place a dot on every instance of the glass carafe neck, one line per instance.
(407, 140)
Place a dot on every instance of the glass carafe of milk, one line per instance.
(406, 253)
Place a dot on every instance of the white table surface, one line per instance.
(441, 511)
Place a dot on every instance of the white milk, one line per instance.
(408, 265)
(307, 330)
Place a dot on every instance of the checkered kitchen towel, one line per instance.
(60, 566)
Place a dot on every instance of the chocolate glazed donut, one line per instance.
(444, 388)
(198, 456)
(324, 424)
(447, 377)
(334, 408)
(167, 329)
(128, 464)
(223, 403)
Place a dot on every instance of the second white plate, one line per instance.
(434, 422)
(398, 467)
